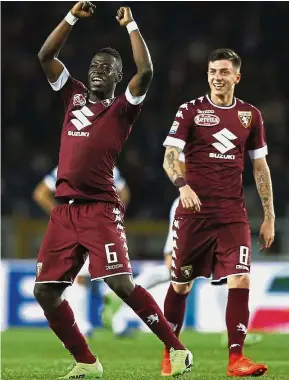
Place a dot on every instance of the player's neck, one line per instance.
(97, 97)
(225, 100)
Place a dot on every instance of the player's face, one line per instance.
(102, 74)
(222, 77)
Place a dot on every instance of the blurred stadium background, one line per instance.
(179, 36)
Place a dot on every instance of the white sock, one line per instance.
(77, 297)
(153, 276)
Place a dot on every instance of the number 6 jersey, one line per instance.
(214, 140)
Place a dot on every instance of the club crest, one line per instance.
(107, 102)
(245, 118)
(187, 271)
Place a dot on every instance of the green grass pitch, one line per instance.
(36, 354)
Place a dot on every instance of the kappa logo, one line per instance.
(39, 268)
(245, 118)
(151, 319)
(79, 100)
(187, 271)
(243, 328)
(206, 120)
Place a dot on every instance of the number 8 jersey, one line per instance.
(92, 136)
(214, 140)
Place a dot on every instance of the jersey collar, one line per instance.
(222, 107)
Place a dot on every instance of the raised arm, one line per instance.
(52, 46)
(139, 84)
(264, 186)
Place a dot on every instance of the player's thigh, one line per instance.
(60, 256)
(103, 235)
(233, 252)
(193, 247)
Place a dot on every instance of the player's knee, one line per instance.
(122, 285)
(239, 281)
(47, 294)
(182, 288)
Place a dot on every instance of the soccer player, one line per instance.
(211, 228)
(77, 294)
(90, 216)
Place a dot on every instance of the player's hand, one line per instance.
(189, 199)
(83, 9)
(267, 234)
(124, 16)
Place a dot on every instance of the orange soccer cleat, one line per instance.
(166, 364)
(243, 366)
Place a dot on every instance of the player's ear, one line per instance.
(119, 77)
(238, 78)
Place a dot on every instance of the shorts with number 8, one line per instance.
(75, 231)
(205, 248)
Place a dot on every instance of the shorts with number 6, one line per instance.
(75, 231)
(206, 248)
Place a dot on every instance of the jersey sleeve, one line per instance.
(50, 179)
(130, 107)
(256, 143)
(69, 87)
(169, 242)
(179, 131)
(119, 181)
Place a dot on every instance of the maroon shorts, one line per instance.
(77, 230)
(205, 248)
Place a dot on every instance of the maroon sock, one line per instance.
(63, 324)
(237, 317)
(146, 308)
(175, 308)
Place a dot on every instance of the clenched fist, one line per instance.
(83, 9)
(124, 16)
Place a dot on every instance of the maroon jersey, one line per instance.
(214, 140)
(92, 136)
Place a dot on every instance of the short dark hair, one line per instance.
(115, 54)
(227, 54)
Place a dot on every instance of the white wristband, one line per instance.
(70, 18)
(131, 27)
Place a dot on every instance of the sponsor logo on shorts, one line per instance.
(243, 267)
(78, 134)
(174, 127)
(115, 266)
(187, 271)
(79, 100)
(222, 156)
(245, 118)
(152, 319)
(39, 268)
(204, 120)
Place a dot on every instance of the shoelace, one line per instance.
(176, 358)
